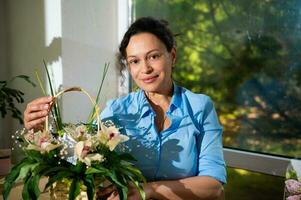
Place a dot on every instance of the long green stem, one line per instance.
(57, 116)
(104, 74)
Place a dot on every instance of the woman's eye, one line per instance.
(154, 56)
(133, 62)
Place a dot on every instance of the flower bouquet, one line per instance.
(77, 159)
(293, 181)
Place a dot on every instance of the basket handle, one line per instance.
(77, 89)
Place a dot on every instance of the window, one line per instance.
(246, 56)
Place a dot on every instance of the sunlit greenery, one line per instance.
(246, 55)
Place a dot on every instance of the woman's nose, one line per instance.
(146, 67)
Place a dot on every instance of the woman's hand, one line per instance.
(36, 112)
(111, 193)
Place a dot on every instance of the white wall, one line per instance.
(87, 40)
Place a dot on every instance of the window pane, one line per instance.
(247, 185)
(246, 55)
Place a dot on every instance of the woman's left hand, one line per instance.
(133, 193)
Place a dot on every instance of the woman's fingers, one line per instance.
(42, 103)
(36, 111)
(105, 192)
(42, 100)
(114, 196)
(37, 107)
(36, 115)
(35, 124)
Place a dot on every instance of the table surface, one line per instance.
(16, 192)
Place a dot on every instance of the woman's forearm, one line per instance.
(199, 187)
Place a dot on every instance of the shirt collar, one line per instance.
(145, 107)
(176, 97)
(143, 103)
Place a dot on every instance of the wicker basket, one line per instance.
(60, 189)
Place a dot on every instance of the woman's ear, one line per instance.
(173, 54)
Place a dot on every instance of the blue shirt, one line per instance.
(191, 146)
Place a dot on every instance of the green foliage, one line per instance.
(55, 108)
(291, 174)
(104, 74)
(10, 96)
(37, 165)
(117, 168)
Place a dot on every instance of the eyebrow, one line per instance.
(145, 54)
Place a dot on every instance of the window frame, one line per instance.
(257, 162)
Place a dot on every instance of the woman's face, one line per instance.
(149, 62)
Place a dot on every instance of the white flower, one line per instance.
(93, 157)
(111, 136)
(41, 141)
(78, 133)
(81, 131)
(82, 151)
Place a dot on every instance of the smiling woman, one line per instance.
(175, 135)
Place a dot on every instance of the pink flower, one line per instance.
(83, 153)
(41, 141)
(293, 186)
(295, 197)
(111, 136)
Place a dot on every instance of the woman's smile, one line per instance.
(150, 79)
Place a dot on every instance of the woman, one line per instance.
(174, 133)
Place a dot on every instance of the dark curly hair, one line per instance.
(145, 25)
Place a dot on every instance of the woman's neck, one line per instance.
(160, 103)
(160, 99)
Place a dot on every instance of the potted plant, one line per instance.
(9, 97)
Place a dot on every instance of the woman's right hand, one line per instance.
(36, 112)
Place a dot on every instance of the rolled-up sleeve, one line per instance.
(211, 159)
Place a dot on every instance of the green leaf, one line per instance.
(122, 191)
(56, 114)
(34, 186)
(32, 178)
(115, 179)
(135, 171)
(93, 114)
(26, 78)
(291, 174)
(41, 84)
(74, 190)
(138, 187)
(27, 169)
(89, 183)
(31, 187)
(79, 168)
(12, 176)
(127, 157)
(25, 193)
(58, 176)
(98, 170)
(33, 154)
